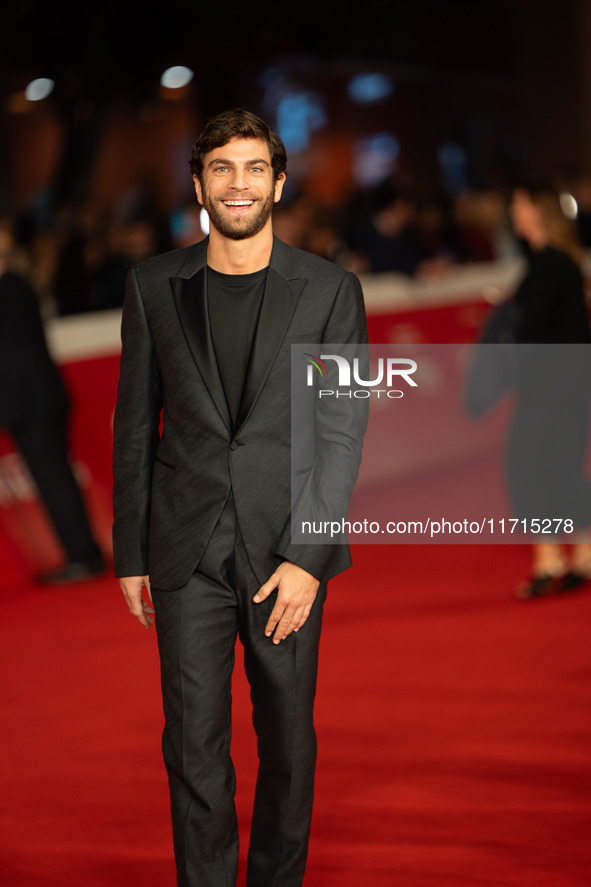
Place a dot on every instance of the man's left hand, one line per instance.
(296, 592)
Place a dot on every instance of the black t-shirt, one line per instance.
(234, 303)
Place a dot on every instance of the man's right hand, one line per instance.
(132, 586)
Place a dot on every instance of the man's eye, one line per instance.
(256, 169)
(220, 169)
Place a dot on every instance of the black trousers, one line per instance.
(42, 442)
(197, 628)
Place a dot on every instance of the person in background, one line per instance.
(548, 435)
(385, 240)
(34, 407)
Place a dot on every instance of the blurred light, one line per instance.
(568, 205)
(452, 159)
(375, 157)
(176, 77)
(298, 115)
(204, 220)
(177, 222)
(366, 88)
(452, 154)
(39, 89)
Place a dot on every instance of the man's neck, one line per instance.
(239, 256)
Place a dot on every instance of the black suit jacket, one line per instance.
(31, 383)
(172, 479)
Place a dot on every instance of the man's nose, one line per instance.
(238, 181)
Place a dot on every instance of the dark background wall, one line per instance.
(506, 82)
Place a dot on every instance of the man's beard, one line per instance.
(240, 227)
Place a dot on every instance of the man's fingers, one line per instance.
(265, 590)
(143, 612)
(285, 627)
(296, 591)
(280, 618)
(298, 619)
(145, 615)
(303, 617)
(148, 614)
(273, 620)
(132, 587)
(283, 620)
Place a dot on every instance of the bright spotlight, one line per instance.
(568, 204)
(175, 77)
(39, 89)
(204, 220)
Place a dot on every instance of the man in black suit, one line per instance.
(34, 407)
(202, 506)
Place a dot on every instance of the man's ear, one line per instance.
(198, 191)
(279, 183)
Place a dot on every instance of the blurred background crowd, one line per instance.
(407, 127)
(78, 258)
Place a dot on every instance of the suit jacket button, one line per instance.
(234, 445)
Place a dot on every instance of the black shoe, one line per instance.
(573, 579)
(75, 571)
(538, 586)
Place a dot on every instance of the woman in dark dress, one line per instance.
(547, 441)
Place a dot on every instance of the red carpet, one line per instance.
(453, 722)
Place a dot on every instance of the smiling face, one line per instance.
(237, 188)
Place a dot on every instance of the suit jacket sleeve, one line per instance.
(136, 434)
(340, 425)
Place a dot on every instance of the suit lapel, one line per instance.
(279, 303)
(190, 297)
(282, 292)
